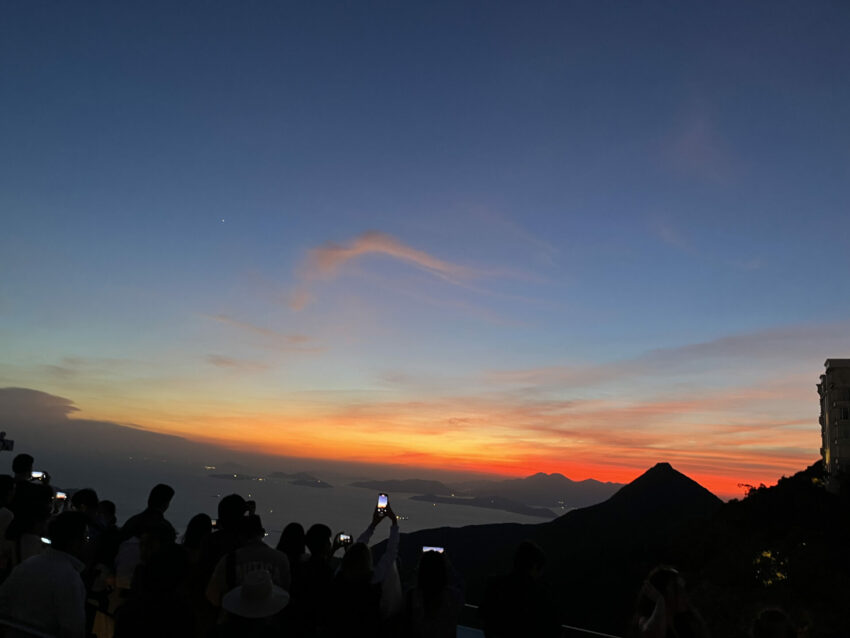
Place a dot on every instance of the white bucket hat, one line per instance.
(256, 597)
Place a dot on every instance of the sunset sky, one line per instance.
(576, 237)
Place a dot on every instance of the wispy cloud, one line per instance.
(698, 147)
(234, 364)
(803, 345)
(519, 236)
(674, 238)
(70, 367)
(684, 244)
(326, 261)
(271, 338)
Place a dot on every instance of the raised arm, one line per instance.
(388, 559)
(366, 536)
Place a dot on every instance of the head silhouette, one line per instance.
(106, 513)
(160, 497)
(529, 559)
(292, 541)
(669, 583)
(67, 532)
(230, 509)
(22, 466)
(197, 530)
(85, 501)
(318, 540)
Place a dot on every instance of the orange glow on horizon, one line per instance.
(490, 436)
(726, 485)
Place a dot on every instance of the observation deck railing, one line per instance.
(464, 631)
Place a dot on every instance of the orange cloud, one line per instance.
(325, 261)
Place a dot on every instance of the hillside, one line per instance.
(783, 545)
(606, 548)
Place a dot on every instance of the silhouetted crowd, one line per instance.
(68, 570)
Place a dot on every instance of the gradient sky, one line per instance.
(508, 237)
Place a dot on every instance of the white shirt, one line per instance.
(250, 557)
(385, 572)
(129, 556)
(46, 592)
(387, 562)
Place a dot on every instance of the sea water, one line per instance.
(343, 508)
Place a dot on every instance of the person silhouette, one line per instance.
(519, 604)
(664, 609)
(433, 606)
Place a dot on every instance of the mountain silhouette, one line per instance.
(554, 491)
(607, 547)
(549, 490)
(658, 491)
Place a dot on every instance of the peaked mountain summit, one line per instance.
(659, 490)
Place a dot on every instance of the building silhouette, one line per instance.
(834, 391)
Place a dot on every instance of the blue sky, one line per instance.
(523, 190)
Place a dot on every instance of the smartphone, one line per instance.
(344, 539)
(431, 548)
(383, 501)
(214, 523)
(37, 476)
(46, 540)
(61, 496)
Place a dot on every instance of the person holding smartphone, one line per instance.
(366, 595)
(387, 562)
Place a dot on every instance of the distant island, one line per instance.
(547, 490)
(415, 486)
(543, 490)
(489, 502)
(235, 477)
(310, 483)
(300, 478)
